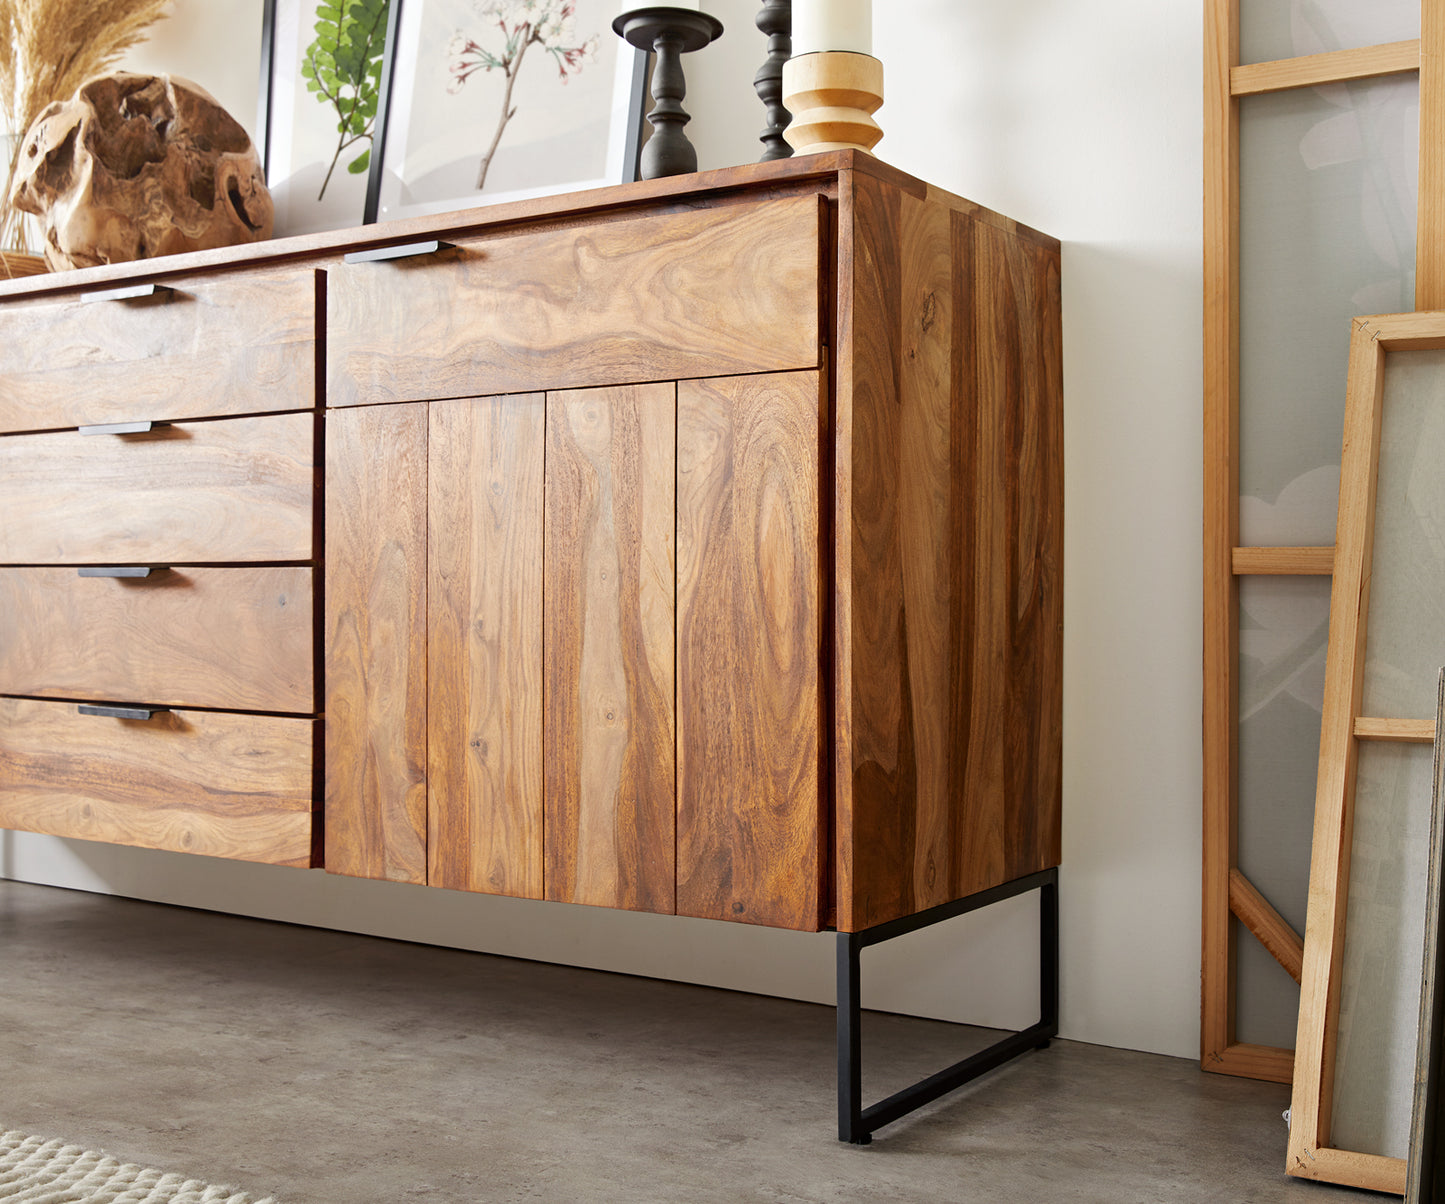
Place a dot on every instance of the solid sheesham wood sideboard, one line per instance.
(692, 546)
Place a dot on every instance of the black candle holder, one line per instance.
(776, 20)
(669, 33)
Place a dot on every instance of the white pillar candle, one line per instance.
(632, 6)
(832, 25)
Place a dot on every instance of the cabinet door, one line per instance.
(484, 651)
(610, 582)
(749, 600)
(376, 472)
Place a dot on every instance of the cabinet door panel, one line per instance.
(376, 469)
(485, 645)
(748, 650)
(610, 582)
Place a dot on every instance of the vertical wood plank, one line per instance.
(485, 645)
(376, 469)
(1312, 1101)
(928, 516)
(1221, 528)
(1430, 216)
(748, 650)
(609, 623)
(883, 774)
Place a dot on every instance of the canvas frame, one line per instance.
(1227, 894)
(1312, 1152)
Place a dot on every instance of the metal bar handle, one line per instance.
(144, 714)
(405, 251)
(126, 292)
(120, 428)
(121, 570)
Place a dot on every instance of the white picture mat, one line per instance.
(564, 137)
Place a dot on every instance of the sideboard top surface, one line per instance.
(822, 170)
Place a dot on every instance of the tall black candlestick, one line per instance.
(669, 33)
(775, 20)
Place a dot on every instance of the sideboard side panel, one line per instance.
(950, 502)
(376, 691)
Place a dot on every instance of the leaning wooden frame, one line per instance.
(1313, 1152)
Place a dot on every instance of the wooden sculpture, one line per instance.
(135, 166)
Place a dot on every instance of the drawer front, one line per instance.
(240, 489)
(230, 344)
(238, 786)
(713, 292)
(232, 638)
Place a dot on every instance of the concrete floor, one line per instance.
(328, 1068)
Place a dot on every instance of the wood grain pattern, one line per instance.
(1311, 70)
(749, 809)
(237, 490)
(653, 298)
(610, 586)
(232, 638)
(1312, 1100)
(484, 645)
(376, 667)
(237, 786)
(1267, 1063)
(950, 425)
(1221, 536)
(230, 344)
(1408, 731)
(1283, 562)
(1370, 1172)
(1273, 931)
(1430, 207)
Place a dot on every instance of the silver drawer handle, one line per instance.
(128, 570)
(144, 714)
(120, 428)
(406, 251)
(127, 292)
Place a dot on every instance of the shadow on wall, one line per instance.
(959, 972)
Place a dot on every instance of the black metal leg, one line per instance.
(850, 1043)
(857, 1124)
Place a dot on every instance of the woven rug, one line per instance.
(39, 1170)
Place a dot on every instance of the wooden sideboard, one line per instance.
(689, 546)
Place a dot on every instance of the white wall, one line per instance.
(1084, 120)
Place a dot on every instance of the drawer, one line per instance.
(238, 489)
(238, 786)
(231, 638)
(716, 292)
(234, 344)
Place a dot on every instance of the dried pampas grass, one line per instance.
(48, 48)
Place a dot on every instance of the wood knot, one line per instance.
(930, 312)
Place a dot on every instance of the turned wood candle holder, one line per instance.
(832, 96)
(669, 33)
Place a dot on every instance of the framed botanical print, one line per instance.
(494, 100)
(320, 104)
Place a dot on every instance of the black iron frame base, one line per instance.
(857, 1124)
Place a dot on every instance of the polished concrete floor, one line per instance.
(335, 1069)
